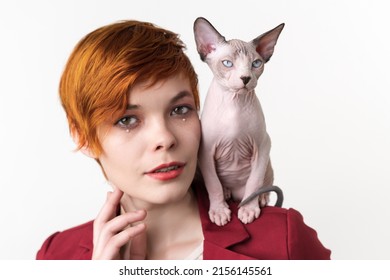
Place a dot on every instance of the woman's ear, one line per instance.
(84, 149)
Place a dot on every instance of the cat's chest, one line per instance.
(233, 113)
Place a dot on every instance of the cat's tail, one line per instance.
(276, 189)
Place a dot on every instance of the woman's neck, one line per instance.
(173, 230)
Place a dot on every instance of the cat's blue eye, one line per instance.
(227, 63)
(257, 63)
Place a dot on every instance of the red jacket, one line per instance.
(277, 234)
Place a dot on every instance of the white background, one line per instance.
(325, 94)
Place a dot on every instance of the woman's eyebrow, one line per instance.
(131, 107)
(180, 95)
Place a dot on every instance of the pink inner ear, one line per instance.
(208, 48)
(265, 49)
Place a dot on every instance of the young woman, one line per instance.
(131, 99)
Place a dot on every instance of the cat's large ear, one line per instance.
(266, 42)
(206, 37)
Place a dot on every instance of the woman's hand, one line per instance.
(112, 232)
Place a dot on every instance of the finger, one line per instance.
(113, 246)
(114, 227)
(120, 222)
(108, 210)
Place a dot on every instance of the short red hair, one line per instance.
(107, 63)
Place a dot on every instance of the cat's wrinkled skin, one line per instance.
(234, 153)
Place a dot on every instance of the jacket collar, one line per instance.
(218, 240)
(86, 243)
(215, 252)
(86, 240)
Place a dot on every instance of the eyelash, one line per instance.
(123, 122)
(181, 107)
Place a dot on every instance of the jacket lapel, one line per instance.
(86, 243)
(212, 251)
(217, 240)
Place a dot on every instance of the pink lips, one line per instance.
(166, 171)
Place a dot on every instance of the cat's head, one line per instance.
(236, 64)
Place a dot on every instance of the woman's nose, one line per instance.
(163, 137)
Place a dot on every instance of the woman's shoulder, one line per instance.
(72, 244)
(287, 215)
(283, 233)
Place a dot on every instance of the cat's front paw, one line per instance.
(248, 213)
(220, 215)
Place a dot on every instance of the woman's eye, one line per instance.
(227, 63)
(257, 63)
(181, 110)
(127, 122)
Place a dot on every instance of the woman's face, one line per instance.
(150, 152)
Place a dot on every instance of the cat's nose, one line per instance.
(245, 79)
